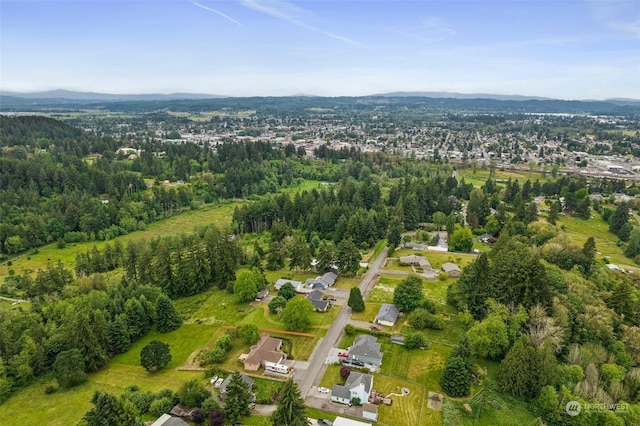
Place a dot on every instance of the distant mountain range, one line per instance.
(92, 96)
(83, 97)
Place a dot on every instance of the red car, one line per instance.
(343, 354)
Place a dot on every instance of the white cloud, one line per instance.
(620, 15)
(430, 30)
(227, 17)
(293, 14)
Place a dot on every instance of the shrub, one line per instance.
(51, 389)
(161, 406)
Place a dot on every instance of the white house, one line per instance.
(358, 385)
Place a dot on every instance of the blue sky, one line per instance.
(563, 49)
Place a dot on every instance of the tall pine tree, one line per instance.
(291, 410)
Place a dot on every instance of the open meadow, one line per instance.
(218, 214)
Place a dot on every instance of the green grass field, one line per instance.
(67, 407)
(580, 230)
(219, 214)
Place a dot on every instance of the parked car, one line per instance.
(324, 422)
(213, 379)
(324, 390)
(218, 383)
(343, 354)
(375, 327)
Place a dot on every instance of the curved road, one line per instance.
(306, 379)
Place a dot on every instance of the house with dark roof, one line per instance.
(316, 298)
(366, 349)
(358, 385)
(388, 314)
(266, 350)
(223, 387)
(322, 282)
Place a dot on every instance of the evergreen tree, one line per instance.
(167, 318)
(356, 303)
(554, 212)
(520, 370)
(119, 338)
(80, 336)
(291, 410)
(326, 256)
(348, 257)
(69, 368)
(300, 253)
(237, 398)
(619, 218)
(275, 256)
(455, 380)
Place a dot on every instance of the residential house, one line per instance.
(366, 349)
(266, 350)
(388, 314)
(322, 282)
(223, 387)
(416, 246)
(169, 420)
(452, 270)
(282, 281)
(358, 385)
(414, 260)
(316, 298)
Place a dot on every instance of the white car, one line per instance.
(213, 379)
(218, 383)
(324, 390)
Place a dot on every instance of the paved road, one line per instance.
(313, 375)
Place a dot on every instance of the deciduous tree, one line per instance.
(155, 356)
(408, 294)
(296, 315)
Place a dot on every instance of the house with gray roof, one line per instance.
(452, 270)
(388, 314)
(316, 298)
(358, 385)
(366, 349)
(223, 387)
(282, 281)
(169, 420)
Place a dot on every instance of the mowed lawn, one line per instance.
(219, 214)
